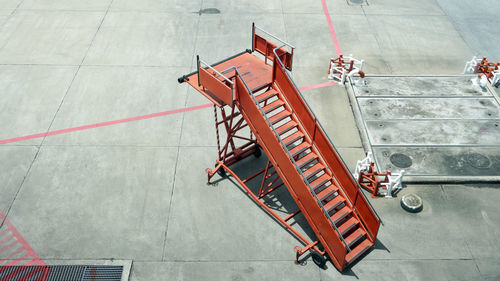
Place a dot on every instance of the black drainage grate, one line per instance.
(62, 273)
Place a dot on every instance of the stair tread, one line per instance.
(335, 202)
(358, 251)
(354, 236)
(266, 95)
(347, 225)
(319, 181)
(286, 127)
(293, 137)
(272, 106)
(342, 213)
(299, 148)
(306, 159)
(316, 168)
(327, 191)
(279, 116)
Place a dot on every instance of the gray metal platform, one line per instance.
(435, 128)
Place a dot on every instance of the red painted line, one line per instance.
(13, 254)
(103, 124)
(332, 30)
(326, 84)
(483, 131)
(6, 239)
(5, 248)
(23, 245)
(3, 231)
(131, 119)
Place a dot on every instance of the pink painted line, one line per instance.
(332, 30)
(483, 131)
(103, 124)
(326, 84)
(23, 244)
(5, 248)
(142, 117)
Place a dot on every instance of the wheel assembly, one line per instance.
(318, 259)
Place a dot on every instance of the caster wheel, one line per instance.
(318, 259)
(221, 172)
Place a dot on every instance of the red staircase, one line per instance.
(297, 147)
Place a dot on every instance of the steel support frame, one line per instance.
(229, 153)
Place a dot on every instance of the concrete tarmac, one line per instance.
(136, 191)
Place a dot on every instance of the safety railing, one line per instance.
(278, 137)
(348, 185)
(222, 90)
(267, 48)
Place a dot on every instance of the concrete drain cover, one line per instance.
(401, 160)
(412, 203)
(478, 160)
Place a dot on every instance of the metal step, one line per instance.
(266, 95)
(311, 171)
(315, 184)
(334, 203)
(354, 236)
(272, 106)
(348, 225)
(327, 191)
(358, 251)
(306, 159)
(300, 148)
(293, 138)
(340, 214)
(286, 127)
(279, 116)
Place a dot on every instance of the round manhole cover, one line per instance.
(478, 160)
(401, 160)
(412, 203)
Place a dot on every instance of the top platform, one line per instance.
(256, 73)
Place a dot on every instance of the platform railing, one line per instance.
(266, 48)
(213, 84)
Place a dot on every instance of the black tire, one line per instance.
(412, 203)
(318, 259)
(221, 172)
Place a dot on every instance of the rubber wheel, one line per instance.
(412, 203)
(318, 259)
(221, 172)
(257, 153)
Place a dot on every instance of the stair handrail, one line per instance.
(321, 127)
(200, 62)
(254, 26)
(293, 160)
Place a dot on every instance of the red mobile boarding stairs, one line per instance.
(260, 94)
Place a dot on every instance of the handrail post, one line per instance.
(198, 69)
(253, 37)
